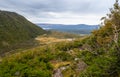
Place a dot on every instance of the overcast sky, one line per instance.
(59, 11)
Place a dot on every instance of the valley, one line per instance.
(27, 50)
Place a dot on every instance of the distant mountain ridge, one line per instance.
(77, 29)
(14, 29)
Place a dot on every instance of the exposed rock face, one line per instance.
(57, 73)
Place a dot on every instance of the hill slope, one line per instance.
(14, 28)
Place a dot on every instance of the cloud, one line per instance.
(57, 11)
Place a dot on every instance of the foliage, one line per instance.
(102, 57)
(34, 62)
(61, 35)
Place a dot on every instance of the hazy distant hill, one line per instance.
(77, 29)
(14, 28)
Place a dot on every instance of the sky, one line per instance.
(59, 11)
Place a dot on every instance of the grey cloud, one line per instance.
(82, 6)
(40, 8)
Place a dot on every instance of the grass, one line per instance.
(56, 64)
(47, 40)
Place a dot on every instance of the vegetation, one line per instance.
(15, 29)
(61, 35)
(103, 60)
(36, 62)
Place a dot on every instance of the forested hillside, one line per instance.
(15, 29)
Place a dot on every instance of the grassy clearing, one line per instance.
(47, 40)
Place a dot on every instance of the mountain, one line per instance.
(15, 29)
(76, 29)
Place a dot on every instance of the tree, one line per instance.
(114, 19)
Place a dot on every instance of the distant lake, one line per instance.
(76, 29)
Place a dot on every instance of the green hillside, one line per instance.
(15, 29)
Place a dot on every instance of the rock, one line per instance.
(57, 73)
(17, 73)
(63, 68)
(81, 66)
(76, 59)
